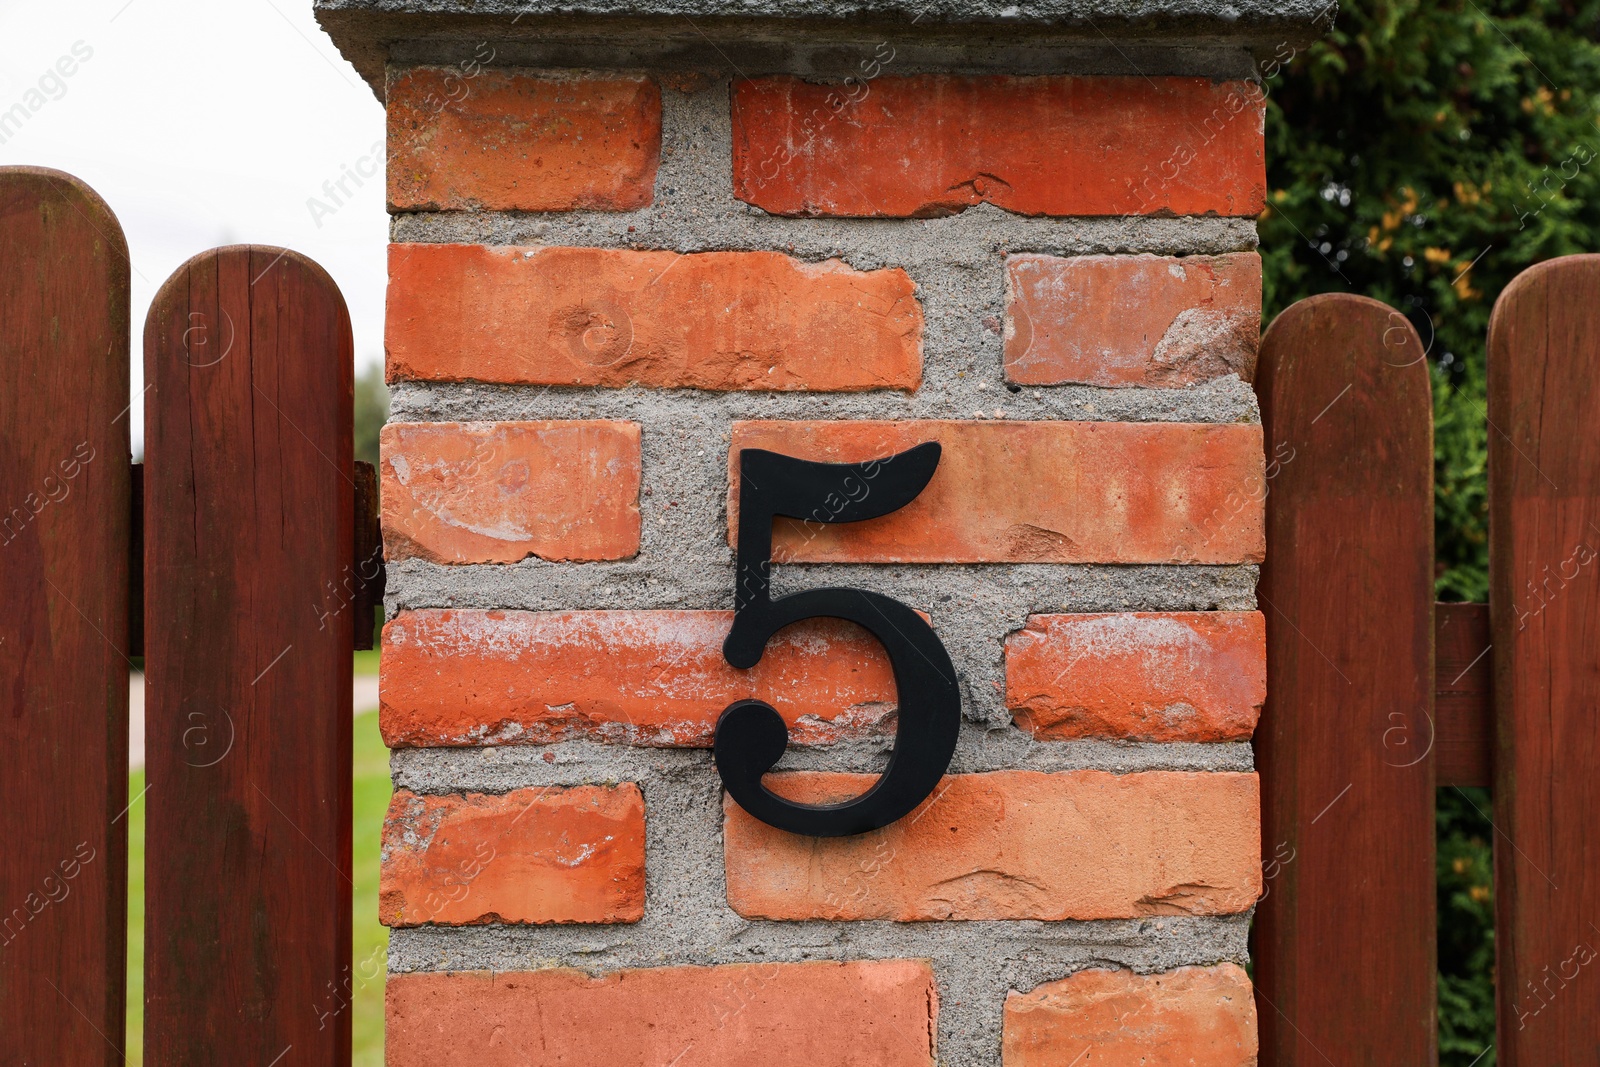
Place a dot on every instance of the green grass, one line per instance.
(136, 919)
(370, 941)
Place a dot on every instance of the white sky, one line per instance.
(202, 123)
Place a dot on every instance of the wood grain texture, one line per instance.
(136, 564)
(248, 528)
(1544, 581)
(367, 577)
(1463, 695)
(1344, 940)
(64, 491)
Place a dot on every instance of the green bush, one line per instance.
(1425, 154)
(371, 409)
(1466, 927)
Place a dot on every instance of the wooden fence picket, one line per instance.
(1344, 941)
(1544, 507)
(64, 544)
(249, 538)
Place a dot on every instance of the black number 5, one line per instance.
(751, 735)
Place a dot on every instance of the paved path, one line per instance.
(365, 692)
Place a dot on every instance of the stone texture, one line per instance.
(1147, 320)
(1010, 845)
(636, 677)
(465, 139)
(1167, 676)
(500, 492)
(877, 1013)
(931, 145)
(1155, 37)
(541, 855)
(1045, 492)
(1193, 1016)
(613, 317)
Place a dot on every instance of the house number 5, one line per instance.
(751, 735)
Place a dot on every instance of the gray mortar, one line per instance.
(687, 921)
(685, 561)
(966, 394)
(701, 576)
(502, 769)
(679, 222)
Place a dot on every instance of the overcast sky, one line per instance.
(202, 122)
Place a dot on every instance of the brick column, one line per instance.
(629, 242)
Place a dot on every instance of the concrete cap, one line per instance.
(970, 35)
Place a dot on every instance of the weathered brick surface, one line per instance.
(1010, 845)
(613, 317)
(601, 333)
(1194, 1016)
(1169, 676)
(542, 855)
(1045, 492)
(468, 677)
(485, 492)
(509, 141)
(1132, 320)
(876, 1013)
(934, 144)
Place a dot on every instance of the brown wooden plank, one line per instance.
(248, 531)
(1463, 695)
(136, 565)
(368, 577)
(1344, 941)
(64, 491)
(1544, 581)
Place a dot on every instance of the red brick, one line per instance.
(504, 141)
(865, 1013)
(610, 317)
(639, 677)
(935, 144)
(542, 855)
(1040, 492)
(1181, 676)
(499, 492)
(1195, 1016)
(1132, 320)
(1010, 845)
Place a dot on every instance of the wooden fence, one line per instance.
(246, 557)
(242, 567)
(1376, 695)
